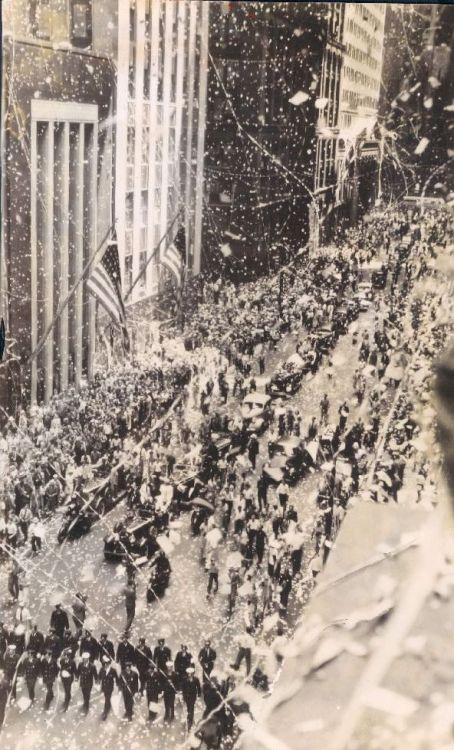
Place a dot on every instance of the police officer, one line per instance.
(49, 671)
(125, 652)
(153, 687)
(52, 644)
(86, 672)
(107, 678)
(31, 669)
(143, 658)
(10, 662)
(207, 657)
(129, 683)
(183, 660)
(169, 689)
(89, 645)
(68, 672)
(105, 648)
(59, 620)
(161, 654)
(36, 640)
(191, 691)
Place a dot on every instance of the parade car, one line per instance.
(131, 539)
(323, 339)
(292, 460)
(255, 411)
(287, 381)
(364, 295)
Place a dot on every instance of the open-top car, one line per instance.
(255, 411)
(292, 459)
(287, 380)
(129, 539)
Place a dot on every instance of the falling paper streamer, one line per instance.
(226, 250)
(390, 702)
(299, 98)
(422, 145)
(321, 102)
(311, 725)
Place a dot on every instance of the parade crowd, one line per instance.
(129, 432)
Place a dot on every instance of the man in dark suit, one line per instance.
(49, 671)
(59, 620)
(169, 689)
(143, 659)
(105, 648)
(129, 683)
(86, 672)
(207, 657)
(31, 669)
(161, 655)
(35, 640)
(68, 672)
(89, 645)
(52, 644)
(107, 678)
(191, 691)
(125, 652)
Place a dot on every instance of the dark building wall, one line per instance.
(35, 72)
(261, 55)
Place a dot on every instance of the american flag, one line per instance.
(104, 283)
(173, 256)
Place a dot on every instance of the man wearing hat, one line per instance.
(36, 640)
(86, 673)
(31, 669)
(49, 671)
(191, 691)
(207, 657)
(153, 687)
(143, 658)
(129, 684)
(125, 651)
(183, 660)
(161, 654)
(89, 644)
(107, 678)
(68, 672)
(169, 689)
(10, 662)
(59, 620)
(105, 648)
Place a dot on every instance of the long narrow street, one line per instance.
(184, 615)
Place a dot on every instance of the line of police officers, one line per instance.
(133, 669)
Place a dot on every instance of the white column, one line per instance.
(64, 254)
(203, 83)
(92, 241)
(154, 73)
(79, 253)
(189, 202)
(122, 127)
(179, 101)
(48, 263)
(33, 259)
(167, 81)
(138, 123)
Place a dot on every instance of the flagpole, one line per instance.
(68, 297)
(153, 254)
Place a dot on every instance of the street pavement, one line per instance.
(184, 615)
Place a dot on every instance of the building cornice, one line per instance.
(54, 46)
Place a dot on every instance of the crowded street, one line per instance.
(226, 297)
(57, 572)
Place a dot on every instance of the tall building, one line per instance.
(57, 100)
(265, 61)
(323, 214)
(359, 143)
(160, 124)
(417, 100)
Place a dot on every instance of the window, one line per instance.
(81, 23)
(40, 18)
(128, 272)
